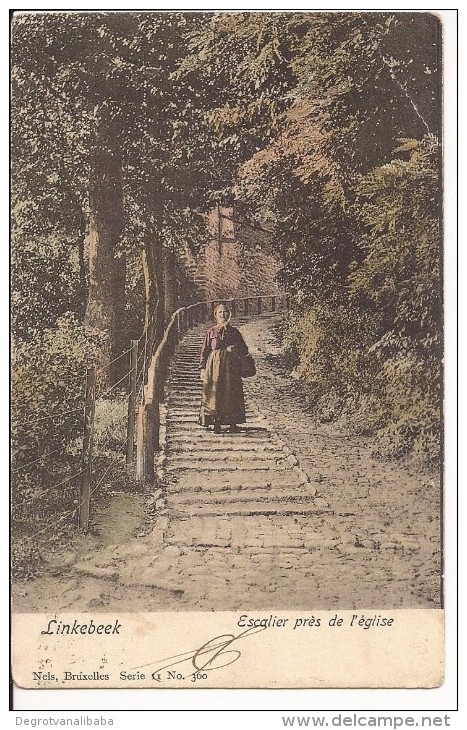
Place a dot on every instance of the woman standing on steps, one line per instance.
(222, 401)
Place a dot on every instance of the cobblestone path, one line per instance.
(286, 514)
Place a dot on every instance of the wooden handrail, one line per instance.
(276, 295)
(149, 389)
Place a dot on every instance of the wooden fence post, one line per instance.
(245, 306)
(273, 304)
(172, 340)
(233, 307)
(260, 304)
(178, 328)
(130, 431)
(145, 443)
(156, 423)
(86, 456)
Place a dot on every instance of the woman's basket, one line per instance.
(247, 366)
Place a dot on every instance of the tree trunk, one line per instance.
(170, 285)
(153, 270)
(83, 270)
(106, 298)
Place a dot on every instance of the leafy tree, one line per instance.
(355, 213)
(137, 134)
(129, 126)
(399, 281)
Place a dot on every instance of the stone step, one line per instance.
(184, 390)
(188, 355)
(186, 368)
(189, 368)
(180, 390)
(277, 525)
(207, 450)
(190, 410)
(190, 427)
(184, 393)
(179, 370)
(246, 510)
(186, 400)
(177, 390)
(187, 482)
(192, 379)
(191, 417)
(191, 413)
(187, 432)
(188, 380)
(187, 397)
(192, 440)
(258, 546)
(203, 466)
(182, 369)
(223, 457)
(235, 496)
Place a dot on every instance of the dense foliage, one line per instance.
(109, 165)
(348, 177)
(128, 126)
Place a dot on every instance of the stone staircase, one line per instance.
(250, 478)
(241, 522)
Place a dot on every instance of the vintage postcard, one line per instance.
(227, 304)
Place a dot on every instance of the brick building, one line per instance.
(238, 260)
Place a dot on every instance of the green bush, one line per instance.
(412, 395)
(45, 282)
(48, 390)
(329, 345)
(392, 397)
(110, 425)
(369, 350)
(48, 387)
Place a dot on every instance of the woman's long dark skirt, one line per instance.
(222, 401)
